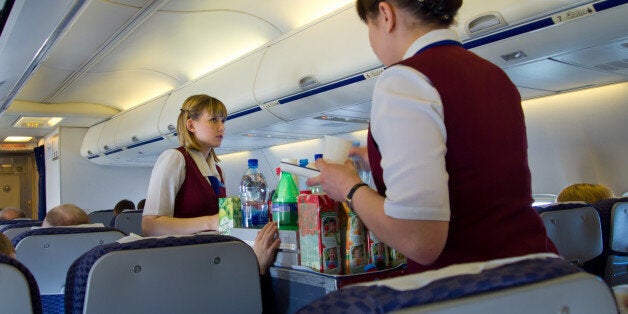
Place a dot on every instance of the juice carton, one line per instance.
(319, 236)
(229, 214)
(354, 241)
(378, 251)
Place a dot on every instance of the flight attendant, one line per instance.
(446, 146)
(186, 182)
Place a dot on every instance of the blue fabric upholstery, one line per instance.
(52, 304)
(20, 224)
(76, 280)
(13, 221)
(59, 230)
(559, 206)
(14, 230)
(382, 299)
(32, 284)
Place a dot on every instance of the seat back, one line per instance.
(13, 230)
(616, 270)
(129, 221)
(101, 216)
(549, 285)
(49, 252)
(18, 289)
(575, 230)
(189, 274)
(604, 208)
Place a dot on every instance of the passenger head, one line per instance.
(10, 213)
(6, 247)
(65, 215)
(584, 192)
(193, 108)
(434, 12)
(140, 204)
(122, 205)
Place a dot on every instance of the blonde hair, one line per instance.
(192, 108)
(585, 192)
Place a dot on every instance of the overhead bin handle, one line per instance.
(106, 147)
(171, 128)
(135, 139)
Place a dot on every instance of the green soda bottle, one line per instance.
(284, 205)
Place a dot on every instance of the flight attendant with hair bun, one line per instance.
(446, 146)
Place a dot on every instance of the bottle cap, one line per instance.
(252, 163)
(317, 156)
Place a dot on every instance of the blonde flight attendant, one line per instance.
(187, 182)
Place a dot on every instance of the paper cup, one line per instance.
(336, 149)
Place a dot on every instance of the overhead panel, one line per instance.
(558, 77)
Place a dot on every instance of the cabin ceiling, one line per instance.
(100, 58)
(93, 61)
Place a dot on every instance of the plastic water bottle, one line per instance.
(363, 172)
(253, 197)
(285, 203)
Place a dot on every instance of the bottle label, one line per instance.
(285, 214)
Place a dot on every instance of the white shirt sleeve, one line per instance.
(408, 125)
(165, 181)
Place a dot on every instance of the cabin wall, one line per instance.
(579, 137)
(70, 178)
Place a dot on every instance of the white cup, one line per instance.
(336, 149)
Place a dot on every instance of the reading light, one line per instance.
(342, 119)
(275, 136)
(18, 139)
(514, 55)
(36, 122)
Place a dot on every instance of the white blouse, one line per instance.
(407, 122)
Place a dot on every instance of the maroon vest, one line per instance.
(196, 197)
(489, 179)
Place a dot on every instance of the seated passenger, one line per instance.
(122, 205)
(65, 215)
(6, 247)
(140, 204)
(10, 213)
(585, 192)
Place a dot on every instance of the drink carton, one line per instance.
(229, 214)
(378, 251)
(319, 236)
(354, 241)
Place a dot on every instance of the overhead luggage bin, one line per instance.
(233, 85)
(332, 49)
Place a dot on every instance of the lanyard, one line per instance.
(216, 184)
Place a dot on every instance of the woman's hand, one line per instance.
(335, 179)
(266, 246)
